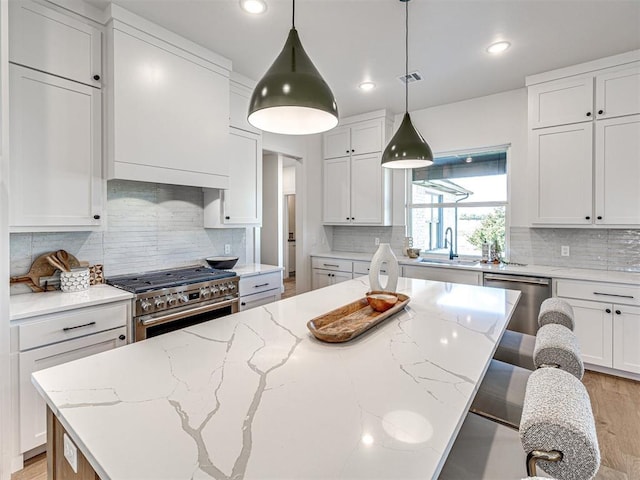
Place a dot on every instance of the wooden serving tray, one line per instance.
(347, 322)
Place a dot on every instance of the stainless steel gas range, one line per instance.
(167, 300)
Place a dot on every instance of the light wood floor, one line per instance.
(616, 407)
(289, 287)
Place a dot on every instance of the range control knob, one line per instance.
(145, 305)
(232, 286)
(159, 303)
(223, 288)
(183, 298)
(214, 291)
(171, 300)
(205, 292)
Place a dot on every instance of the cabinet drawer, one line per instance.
(332, 264)
(601, 292)
(260, 283)
(258, 299)
(58, 327)
(362, 268)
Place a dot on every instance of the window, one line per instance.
(466, 193)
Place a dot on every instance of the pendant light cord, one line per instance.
(293, 16)
(406, 56)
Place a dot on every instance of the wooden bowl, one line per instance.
(381, 302)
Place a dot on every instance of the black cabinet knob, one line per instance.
(618, 312)
(96, 217)
(353, 218)
(122, 337)
(600, 112)
(352, 150)
(227, 218)
(96, 77)
(588, 114)
(347, 218)
(243, 303)
(608, 310)
(346, 151)
(599, 217)
(587, 218)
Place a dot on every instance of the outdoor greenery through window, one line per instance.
(465, 192)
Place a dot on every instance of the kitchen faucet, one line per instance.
(451, 254)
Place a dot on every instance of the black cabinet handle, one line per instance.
(66, 329)
(346, 151)
(352, 150)
(353, 218)
(618, 312)
(243, 303)
(608, 310)
(227, 218)
(347, 218)
(96, 77)
(600, 112)
(96, 217)
(588, 114)
(587, 218)
(122, 337)
(261, 285)
(599, 217)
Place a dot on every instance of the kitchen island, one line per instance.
(255, 395)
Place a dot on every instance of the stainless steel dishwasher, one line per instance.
(534, 291)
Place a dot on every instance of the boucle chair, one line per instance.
(517, 348)
(502, 391)
(557, 435)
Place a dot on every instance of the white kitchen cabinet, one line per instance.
(607, 322)
(241, 202)
(49, 41)
(579, 179)
(356, 190)
(439, 274)
(55, 166)
(168, 108)
(240, 91)
(258, 290)
(563, 164)
(617, 171)
(43, 341)
(329, 271)
(626, 338)
(357, 139)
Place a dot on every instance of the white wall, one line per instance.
(481, 122)
(5, 430)
(271, 233)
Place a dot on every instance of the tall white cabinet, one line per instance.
(55, 120)
(356, 190)
(584, 131)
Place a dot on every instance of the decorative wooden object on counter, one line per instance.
(349, 321)
(45, 266)
(96, 274)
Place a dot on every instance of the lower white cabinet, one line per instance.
(608, 332)
(329, 271)
(56, 161)
(33, 419)
(257, 290)
(438, 274)
(44, 341)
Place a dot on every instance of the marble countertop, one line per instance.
(255, 269)
(31, 304)
(535, 270)
(255, 395)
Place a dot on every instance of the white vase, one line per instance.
(382, 255)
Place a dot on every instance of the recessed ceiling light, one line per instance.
(253, 6)
(366, 86)
(498, 47)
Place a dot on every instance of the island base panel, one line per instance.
(58, 468)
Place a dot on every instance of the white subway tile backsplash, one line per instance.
(148, 227)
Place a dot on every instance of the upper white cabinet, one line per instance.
(55, 121)
(241, 203)
(356, 189)
(584, 144)
(55, 166)
(168, 106)
(49, 41)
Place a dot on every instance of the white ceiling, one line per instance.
(354, 40)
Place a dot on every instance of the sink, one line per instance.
(455, 261)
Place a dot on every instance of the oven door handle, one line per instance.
(188, 313)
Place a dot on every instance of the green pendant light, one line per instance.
(292, 97)
(407, 148)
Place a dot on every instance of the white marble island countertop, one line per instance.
(255, 395)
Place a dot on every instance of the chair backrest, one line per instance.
(556, 310)
(557, 417)
(558, 346)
